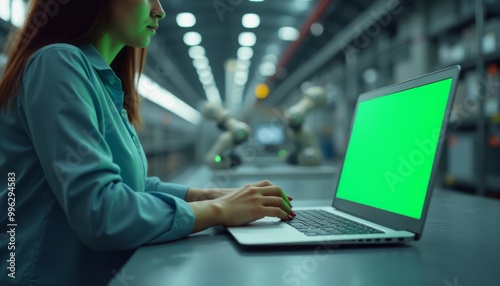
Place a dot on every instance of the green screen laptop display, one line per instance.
(392, 147)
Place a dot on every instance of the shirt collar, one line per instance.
(94, 57)
(105, 73)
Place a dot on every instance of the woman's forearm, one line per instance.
(196, 194)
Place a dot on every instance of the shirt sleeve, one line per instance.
(59, 106)
(154, 184)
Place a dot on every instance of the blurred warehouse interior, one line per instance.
(230, 51)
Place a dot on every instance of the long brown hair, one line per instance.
(73, 22)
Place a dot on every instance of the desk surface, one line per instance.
(460, 246)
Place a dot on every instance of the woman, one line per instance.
(78, 196)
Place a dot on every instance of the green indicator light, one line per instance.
(282, 153)
(241, 135)
(218, 159)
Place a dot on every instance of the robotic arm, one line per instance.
(235, 132)
(306, 151)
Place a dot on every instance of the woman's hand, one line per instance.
(196, 195)
(232, 207)
(253, 202)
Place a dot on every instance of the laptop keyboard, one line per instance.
(320, 222)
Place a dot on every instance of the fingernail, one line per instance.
(293, 214)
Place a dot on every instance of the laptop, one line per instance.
(386, 178)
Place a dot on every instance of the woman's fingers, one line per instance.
(276, 202)
(263, 183)
(269, 191)
(275, 212)
(266, 183)
(275, 191)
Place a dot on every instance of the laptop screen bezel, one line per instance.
(389, 219)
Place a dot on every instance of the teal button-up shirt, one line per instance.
(83, 202)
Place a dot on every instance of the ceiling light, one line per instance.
(288, 33)
(242, 74)
(5, 10)
(3, 60)
(204, 73)
(247, 39)
(256, 0)
(245, 53)
(302, 5)
(207, 80)
(240, 81)
(211, 88)
(151, 90)
(186, 20)
(267, 69)
(200, 63)
(192, 38)
(317, 29)
(270, 58)
(213, 94)
(242, 64)
(18, 13)
(208, 85)
(196, 52)
(250, 21)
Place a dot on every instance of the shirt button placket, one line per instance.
(136, 142)
(111, 79)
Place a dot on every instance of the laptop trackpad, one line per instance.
(267, 221)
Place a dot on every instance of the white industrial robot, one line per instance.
(235, 132)
(306, 150)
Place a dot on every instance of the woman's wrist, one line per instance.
(207, 214)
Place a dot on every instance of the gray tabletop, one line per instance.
(460, 246)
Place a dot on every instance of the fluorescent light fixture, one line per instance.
(18, 12)
(317, 29)
(201, 63)
(185, 20)
(245, 53)
(5, 10)
(192, 38)
(3, 60)
(288, 33)
(213, 94)
(240, 81)
(256, 0)
(207, 80)
(152, 91)
(250, 20)
(196, 52)
(247, 39)
(302, 5)
(270, 58)
(242, 74)
(242, 64)
(204, 73)
(201, 66)
(267, 69)
(207, 76)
